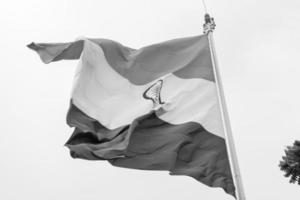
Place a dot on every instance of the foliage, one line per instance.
(291, 163)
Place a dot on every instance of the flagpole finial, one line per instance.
(209, 25)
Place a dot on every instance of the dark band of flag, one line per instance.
(186, 58)
(150, 143)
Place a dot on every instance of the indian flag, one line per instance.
(153, 108)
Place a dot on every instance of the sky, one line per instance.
(257, 44)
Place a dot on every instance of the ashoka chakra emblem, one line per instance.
(153, 94)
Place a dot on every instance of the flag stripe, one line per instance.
(51, 52)
(192, 100)
(186, 58)
(152, 144)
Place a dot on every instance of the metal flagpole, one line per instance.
(208, 29)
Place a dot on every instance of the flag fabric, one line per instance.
(153, 108)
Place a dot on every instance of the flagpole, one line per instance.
(208, 29)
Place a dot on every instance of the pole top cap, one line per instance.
(209, 25)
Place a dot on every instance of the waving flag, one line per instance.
(154, 108)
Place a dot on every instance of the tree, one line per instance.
(291, 163)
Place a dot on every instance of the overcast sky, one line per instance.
(257, 43)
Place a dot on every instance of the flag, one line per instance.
(153, 108)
